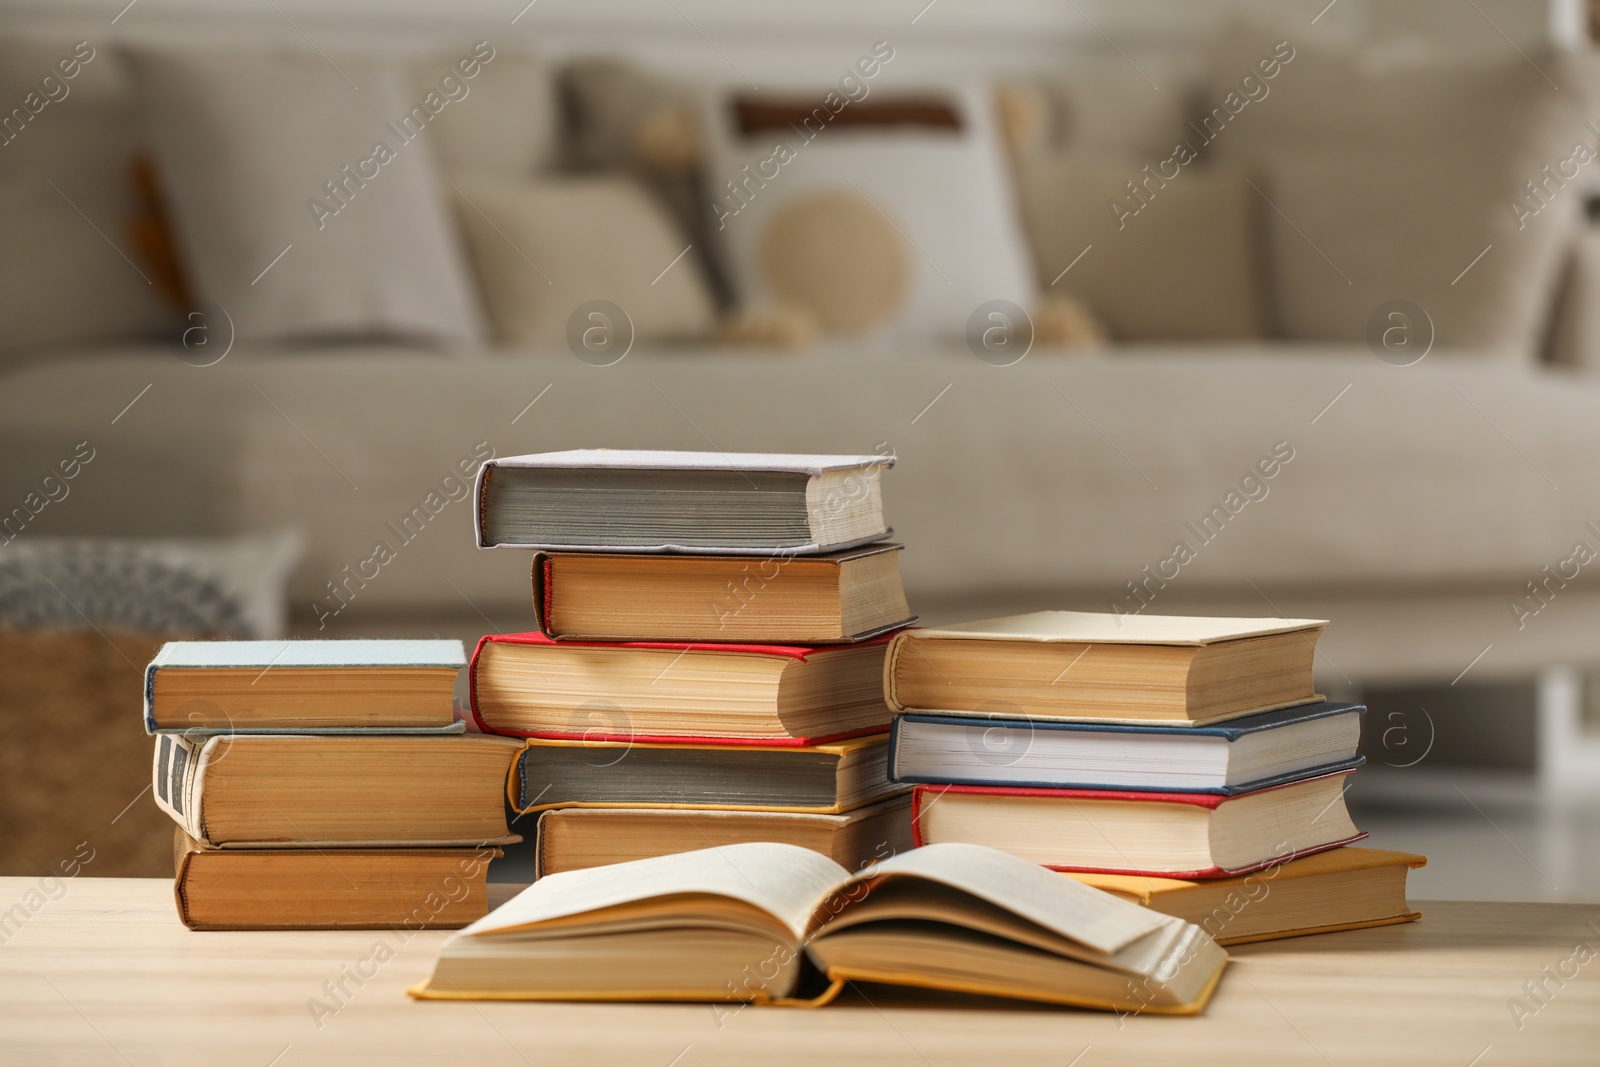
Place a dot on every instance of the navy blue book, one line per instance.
(1240, 755)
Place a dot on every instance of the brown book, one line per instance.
(842, 596)
(346, 790)
(527, 685)
(1178, 835)
(1118, 668)
(302, 685)
(572, 839)
(330, 889)
(1341, 889)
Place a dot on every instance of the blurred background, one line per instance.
(275, 276)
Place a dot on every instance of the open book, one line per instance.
(771, 923)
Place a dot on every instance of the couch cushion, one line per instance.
(1032, 481)
(1183, 266)
(305, 196)
(1392, 171)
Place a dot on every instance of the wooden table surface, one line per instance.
(105, 974)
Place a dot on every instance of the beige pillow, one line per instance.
(1185, 267)
(502, 120)
(1106, 107)
(1393, 170)
(1352, 237)
(543, 248)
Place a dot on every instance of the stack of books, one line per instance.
(708, 668)
(324, 784)
(1184, 763)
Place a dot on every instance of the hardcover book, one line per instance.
(1340, 889)
(841, 596)
(751, 923)
(575, 838)
(1238, 756)
(822, 779)
(1120, 668)
(353, 790)
(741, 503)
(1180, 835)
(526, 685)
(301, 686)
(318, 889)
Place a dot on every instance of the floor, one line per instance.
(1487, 835)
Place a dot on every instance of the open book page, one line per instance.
(1067, 907)
(1097, 628)
(899, 898)
(785, 881)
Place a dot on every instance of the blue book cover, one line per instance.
(289, 655)
(1228, 732)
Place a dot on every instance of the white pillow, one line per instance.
(898, 231)
(544, 248)
(306, 206)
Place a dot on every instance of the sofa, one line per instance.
(1278, 456)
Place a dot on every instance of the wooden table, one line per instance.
(105, 974)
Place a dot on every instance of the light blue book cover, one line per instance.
(358, 654)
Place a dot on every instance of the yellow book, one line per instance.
(1114, 668)
(1342, 889)
(750, 923)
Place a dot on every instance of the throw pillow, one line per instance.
(544, 248)
(884, 216)
(502, 117)
(627, 119)
(1394, 174)
(69, 131)
(223, 587)
(1183, 264)
(305, 196)
(1104, 106)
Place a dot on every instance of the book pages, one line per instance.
(1073, 910)
(784, 880)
